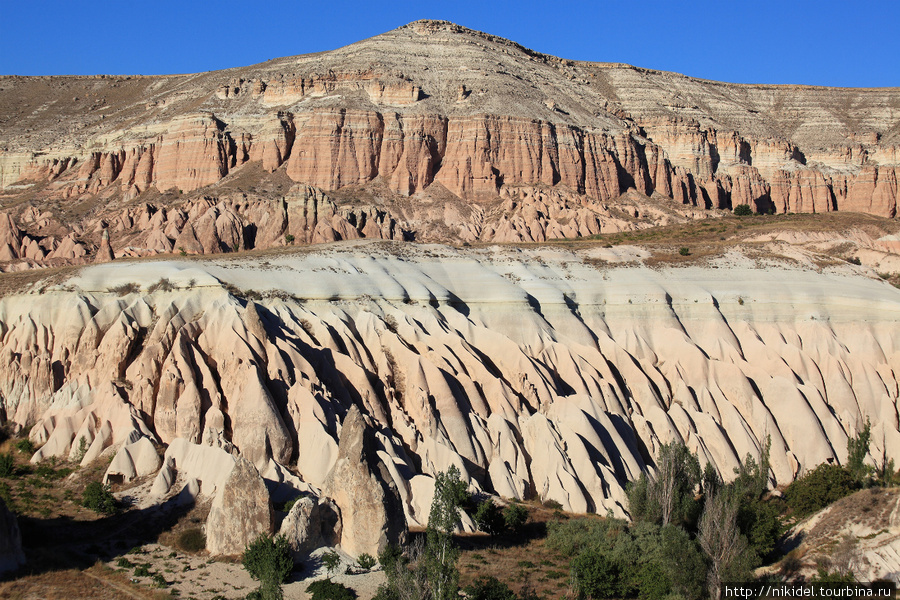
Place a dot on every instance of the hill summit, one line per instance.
(431, 132)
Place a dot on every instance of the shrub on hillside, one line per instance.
(489, 518)
(25, 446)
(489, 588)
(325, 589)
(7, 465)
(365, 561)
(331, 560)
(820, 487)
(98, 498)
(191, 540)
(268, 560)
(742, 210)
(595, 575)
(515, 517)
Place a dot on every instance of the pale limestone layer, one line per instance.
(532, 371)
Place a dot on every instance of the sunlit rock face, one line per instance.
(418, 132)
(538, 373)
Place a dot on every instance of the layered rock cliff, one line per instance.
(432, 108)
(542, 373)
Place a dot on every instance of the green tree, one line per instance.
(489, 518)
(752, 477)
(669, 496)
(98, 498)
(515, 516)
(819, 488)
(742, 210)
(682, 562)
(857, 449)
(596, 575)
(268, 560)
(489, 588)
(441, 555)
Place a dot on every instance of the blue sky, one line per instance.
(851, 44)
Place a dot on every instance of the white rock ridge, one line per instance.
(536, 372)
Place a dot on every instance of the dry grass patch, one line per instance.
(521, 561)
(714, 237)
(39, 279)
(71, 584)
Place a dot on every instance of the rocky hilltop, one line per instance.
(432, 132)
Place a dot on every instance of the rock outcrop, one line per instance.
(11, 555)
(448, 114)
(240, 512)
(362, 487)
(311, 523)
(359, 372)
(134, 460)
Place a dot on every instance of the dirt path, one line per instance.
(115, 585)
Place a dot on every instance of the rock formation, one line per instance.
(363, 489)
(408, 120)
(310, 524)
(134, 460)
(360, 371)
(240, 512)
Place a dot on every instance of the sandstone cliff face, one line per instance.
(363, 489)
(535, 372)
(435, 103)
(240, 512)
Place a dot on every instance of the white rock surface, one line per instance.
(132, 461)
(528, 369)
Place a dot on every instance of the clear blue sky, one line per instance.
(829, 42)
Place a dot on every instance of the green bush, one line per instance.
(760, 522)
(365, 561)
(325, 589)
(142, 571)
(595, 575)
(391, 555)
(515, 517)
(684, 251)
(331, 560)
(25, 446)
(191, 540)
(98, 498)
(489, 588)
(7, 465)
(570, 537)
(268, 560)
(489, 518)
(819, 488)
(742, 210)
